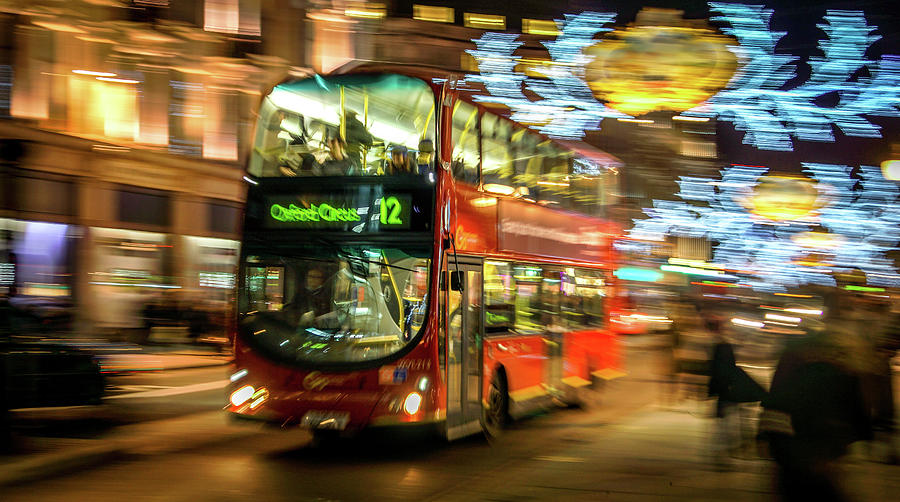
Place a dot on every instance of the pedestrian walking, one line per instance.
(878, 390)
(731, 386)
(814, 410)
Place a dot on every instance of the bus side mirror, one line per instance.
(455, 280)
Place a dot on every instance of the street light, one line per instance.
(891, 169)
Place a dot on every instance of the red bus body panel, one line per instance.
(366, 395)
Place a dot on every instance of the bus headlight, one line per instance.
(242, 395)
(412, 403)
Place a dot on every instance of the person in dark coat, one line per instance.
(878, 388)
(730, 385)
(400, 162)
(814, 410)
(338, 163)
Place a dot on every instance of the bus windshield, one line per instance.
(346, 125)
(334, 304)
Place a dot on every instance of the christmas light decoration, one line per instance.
(567, 107)
(855, 222)
(757, 100)
(758, 103)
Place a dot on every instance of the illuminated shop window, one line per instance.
(119, 105)
(220, 134)
(186, 118)
(484, 21)
(539, 27)
(232, 16)
(365, 10)
(433, 13)
(702, 149)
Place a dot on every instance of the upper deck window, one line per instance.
(346, 125)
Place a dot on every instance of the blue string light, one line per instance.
(860, 214)
(567, 108)
(756, 100)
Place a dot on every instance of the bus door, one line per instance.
(464, 345)
(554, 329)
(553, 371)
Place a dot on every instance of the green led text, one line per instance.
(321, 212)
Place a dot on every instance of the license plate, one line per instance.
(315, 419)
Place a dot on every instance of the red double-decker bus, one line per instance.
(410, 257)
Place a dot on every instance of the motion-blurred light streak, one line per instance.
(756, 100)
(567, 107)
(853, 223)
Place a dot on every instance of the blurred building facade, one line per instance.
(126, 123)
(123, 128)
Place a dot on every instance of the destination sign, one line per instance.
(349, 213)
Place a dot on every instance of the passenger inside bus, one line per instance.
(323, 298)
(338, 162)
(400, 162)
(314, 148)
(425, 158)
(359, 139)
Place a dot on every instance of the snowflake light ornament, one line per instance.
(756, 100)
(784, 232)
(567, 107)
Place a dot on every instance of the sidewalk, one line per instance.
(659, 453)
(54, 456)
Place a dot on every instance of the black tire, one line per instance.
(495, 417)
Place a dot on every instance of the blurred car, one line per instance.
(45, 374)
(36, 371)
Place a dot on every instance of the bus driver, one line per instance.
(310, 302)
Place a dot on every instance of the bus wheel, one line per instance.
(496, 415)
